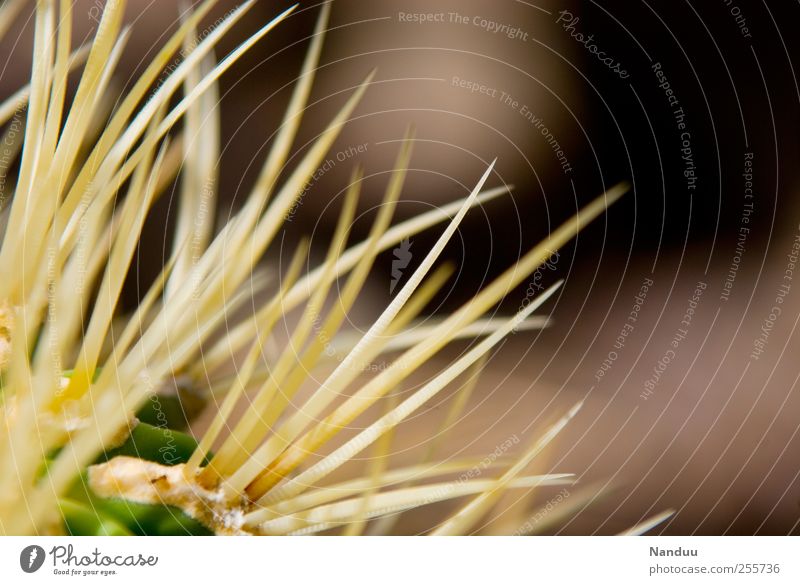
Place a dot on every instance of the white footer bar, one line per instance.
(401, 560)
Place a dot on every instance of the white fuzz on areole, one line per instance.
(76, 368)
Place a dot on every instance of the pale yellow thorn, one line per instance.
(469, 515)
(647, 525)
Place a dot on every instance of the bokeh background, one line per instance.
(712, 433)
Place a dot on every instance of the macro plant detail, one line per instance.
(87, 445)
